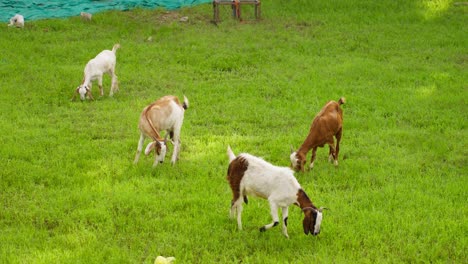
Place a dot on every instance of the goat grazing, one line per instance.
(327, 123)
(17, 21)
(104, 62)
(167, 113)
(86, 16)
(250, 175)
(163, 260)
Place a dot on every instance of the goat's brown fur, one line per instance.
(328, 123)
(309, 209)
(304, 200)
(235, 174)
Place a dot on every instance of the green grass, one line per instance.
(69, 192)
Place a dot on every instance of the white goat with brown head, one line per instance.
(327, 124)
(165, 114)
(250, 175)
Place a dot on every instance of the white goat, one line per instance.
(167, 113)
(250, 175)
(86, 16)
(17, 21)
(104, 62)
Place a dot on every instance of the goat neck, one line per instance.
(307, 145)
(303, 201)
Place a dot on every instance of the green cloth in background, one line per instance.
(41, 9)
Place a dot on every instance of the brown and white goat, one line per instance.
(327, 124)
(250, 175)
(165, 114)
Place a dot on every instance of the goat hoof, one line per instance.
(262, 229)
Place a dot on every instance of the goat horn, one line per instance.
(90, 95)
(322, 208)
(74, 94)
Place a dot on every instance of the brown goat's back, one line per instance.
(327, 124)
(329, 120)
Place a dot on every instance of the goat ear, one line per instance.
(306, 223)
(149, 147)
(75, 93)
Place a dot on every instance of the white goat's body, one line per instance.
(103, 63)
(166, 114)
(250, 175)
(86, 16)
(262, 179)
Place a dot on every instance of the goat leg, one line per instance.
(312, 159)
(274, 216)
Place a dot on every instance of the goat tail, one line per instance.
(185, 105)
(230, 154)
(116, 46)
(342, 101)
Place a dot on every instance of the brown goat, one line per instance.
(327, 124)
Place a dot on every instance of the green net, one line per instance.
(40, 9)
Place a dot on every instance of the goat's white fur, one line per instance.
(17, 21)
(275, 184)
(86, 16)
(104, 62)
(166, 114)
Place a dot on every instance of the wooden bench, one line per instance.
(236, 7)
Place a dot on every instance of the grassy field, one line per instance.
(69, 192)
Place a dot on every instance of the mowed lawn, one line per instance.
(70, 193)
